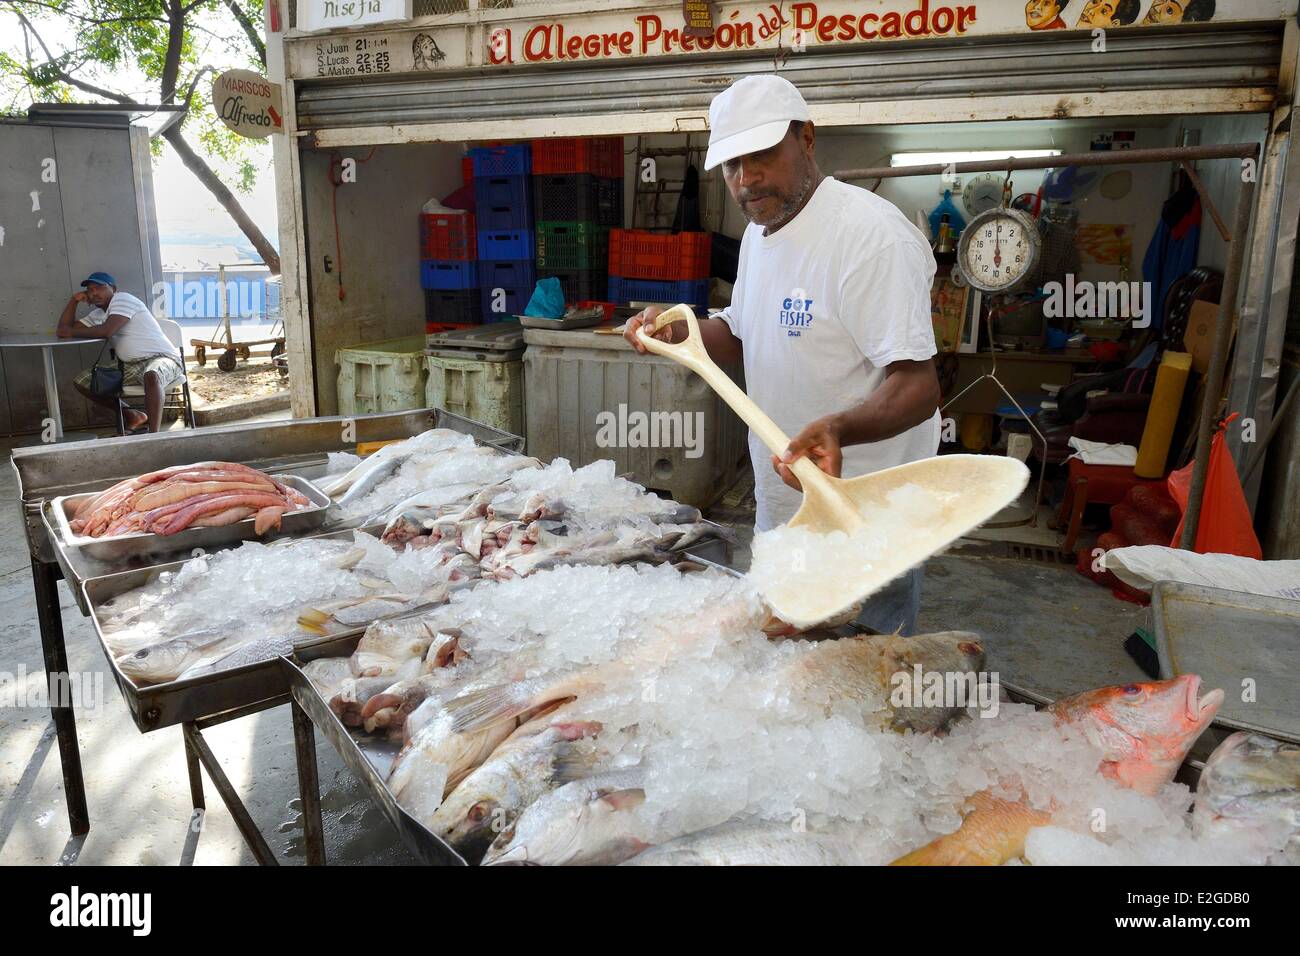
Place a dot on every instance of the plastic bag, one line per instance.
(547, 301)
(1142, 567)
(1225, 526)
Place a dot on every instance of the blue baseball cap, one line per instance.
(103, 278)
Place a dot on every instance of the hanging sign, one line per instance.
(248, 103)
(340, 14)
(699, 18)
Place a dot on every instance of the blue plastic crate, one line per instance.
(516, 160)
(688, 291)
(448, 274)
(503, 202)
(506, 244)
(507, 273)
(512, 302)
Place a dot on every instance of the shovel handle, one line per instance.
(691, 353)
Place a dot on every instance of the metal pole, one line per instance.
(1123, 157)
(1218, 357)
(59, 687)
(304, 742)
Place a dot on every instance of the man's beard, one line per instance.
(790, 203)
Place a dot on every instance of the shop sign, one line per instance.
(248, 103)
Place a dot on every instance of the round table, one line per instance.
(46, 342)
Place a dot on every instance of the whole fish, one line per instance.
(1143, 731)
(870, 668)
(1251, 787)
(591, 822)
(537, 757)
(764, 843)
(386, 645)
(415, 515)
(166, 660)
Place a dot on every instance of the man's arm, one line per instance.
(723, 347)
(68, 317)
(908, 396)
(105, 330)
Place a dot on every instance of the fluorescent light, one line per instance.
(967, 156)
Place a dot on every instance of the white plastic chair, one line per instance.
(172, 330)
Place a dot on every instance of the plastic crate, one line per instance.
(508, 273)
(505, 244)
(431, 328)
(635, 254)
(579, 284)
(488, 392)
(457, 307)
(512, 300)
(569, 377)
(514, 160)
(448, 273)
(572, 245)
(503, 202)
(688, 291)
(467, 169)
(384, 376)
(573, 197)
(600, 156)
(447, 236)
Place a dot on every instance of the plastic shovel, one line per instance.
(973, 488)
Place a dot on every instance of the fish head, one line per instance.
(1250, 787)
(149, 664)
(1145, 729)
(476, 813)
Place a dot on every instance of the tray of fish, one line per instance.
(303, 508)
(1245, 641)
(369, 758)
(245, 676)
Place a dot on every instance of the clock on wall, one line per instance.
(982, 193)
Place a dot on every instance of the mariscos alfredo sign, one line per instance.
(248, 103)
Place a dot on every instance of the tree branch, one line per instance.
(194, 81)
(253, 36)
(195, 164)
(63, 74)
(85, 19)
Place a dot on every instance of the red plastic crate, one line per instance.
(635, 254)
(445, 236)
(601, 156)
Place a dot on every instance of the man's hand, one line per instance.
(820, 443)
(80, 296)
(669, 333)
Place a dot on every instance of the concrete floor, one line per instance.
(1044, 627)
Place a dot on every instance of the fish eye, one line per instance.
(478, 812)
(1132, 689)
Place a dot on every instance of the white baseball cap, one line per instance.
(751, 115)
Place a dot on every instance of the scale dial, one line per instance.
(999, 250)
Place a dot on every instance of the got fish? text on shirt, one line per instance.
(796, 315)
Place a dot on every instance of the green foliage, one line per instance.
(122, 47)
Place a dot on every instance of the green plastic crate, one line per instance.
(572, 245)
(383, 376)
(484, 391)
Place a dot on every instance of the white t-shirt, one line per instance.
(822, 306)
(141, 336)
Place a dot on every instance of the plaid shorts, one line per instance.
(168, 369)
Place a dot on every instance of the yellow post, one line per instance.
(1162, 415)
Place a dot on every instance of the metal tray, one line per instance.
(1225, 637)
(126, 546)
(155, 706)
(563, 325)
(368, 758)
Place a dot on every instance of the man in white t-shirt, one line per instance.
(830, 314)
(148, 357)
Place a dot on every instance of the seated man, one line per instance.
(148, 358)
